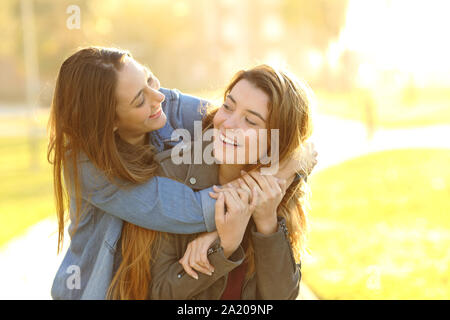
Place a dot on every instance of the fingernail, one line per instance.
(196, 277)
(243, 172)
(210, 273)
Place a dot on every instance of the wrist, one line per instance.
(267, 226)
(228, 249)
(285, 173)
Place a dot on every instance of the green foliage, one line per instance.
(380, 227)
(26, 195)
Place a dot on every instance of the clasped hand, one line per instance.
(256, 195)
(252, 195)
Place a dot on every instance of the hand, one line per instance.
(233, 211)
(308, 158)
(303, 161)
(196, 255)
(268, 191)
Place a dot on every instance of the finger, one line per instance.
(240, 203)
(245, 187)
(275, 184)
(235, 195)
(204, 261)
(243, 195)
(185, 264)
(266, 183)
(196, 259)
(261, 180)
(255, 199)
(233, 184)
(214, 195)
(249, 180)
(220, 210)
(230, 202)
(195, 263)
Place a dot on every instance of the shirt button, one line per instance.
(193, 180)
(179, 275)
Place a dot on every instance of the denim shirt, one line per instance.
(87, 268)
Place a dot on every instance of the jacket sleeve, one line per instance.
(154, 204)
(169, 281)
(277, 275)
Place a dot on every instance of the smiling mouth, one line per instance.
(156, 115)
(228, 141)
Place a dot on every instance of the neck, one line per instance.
(229, 172)
(134, 140)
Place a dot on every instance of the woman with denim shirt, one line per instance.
(109, 117)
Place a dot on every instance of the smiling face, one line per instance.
(239, 124)
(139, 102)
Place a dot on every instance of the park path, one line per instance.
(29, 262)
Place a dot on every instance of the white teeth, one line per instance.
(154, 114)
(227, 140)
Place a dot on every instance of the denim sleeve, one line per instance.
(183, 109)
(159, 204)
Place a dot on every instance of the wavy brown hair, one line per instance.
(81, 122)
(289, 111)
(290, 104)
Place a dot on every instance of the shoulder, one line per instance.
(180, 163)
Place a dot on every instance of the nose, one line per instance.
(157, 97)
(161, 97)
(230, 123)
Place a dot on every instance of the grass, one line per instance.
(26, 195)
(381, 227)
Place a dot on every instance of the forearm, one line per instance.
(173, 283)
(154, 204)
(277, 275)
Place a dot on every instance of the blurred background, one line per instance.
(379, 210)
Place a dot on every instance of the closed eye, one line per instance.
(142, 103)
(250, 122)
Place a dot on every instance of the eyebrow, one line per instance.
(248, 110)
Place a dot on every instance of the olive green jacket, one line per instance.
(276, 276)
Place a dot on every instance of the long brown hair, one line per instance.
(289, 111)
(290, 103)
(81, 122)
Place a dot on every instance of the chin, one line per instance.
(160, 122)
